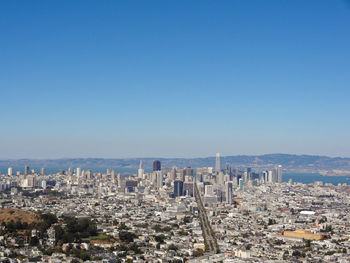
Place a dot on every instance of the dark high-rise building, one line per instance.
(188, 189)
(26, 169)
(188, 171)
(178, 188)
(228, 192)
(156, 165)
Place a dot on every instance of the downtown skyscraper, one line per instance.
(218, 163)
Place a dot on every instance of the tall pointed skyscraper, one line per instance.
(218, 163)
(140, 171)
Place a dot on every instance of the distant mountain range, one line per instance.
(290, 163)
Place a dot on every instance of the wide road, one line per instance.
(208, 233)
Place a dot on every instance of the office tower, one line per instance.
(269, 176)
(113, 176)
(188, 188)
(88, 174)
(140, 171)
(200, 178)
(178, 188)
(188, 171)
(42, 171)
(61, 172)
(265, 176)
(78, 172)
(10, 171)
(249, 174)
(165, 170)
(119, 180)
(240, 184)
(159, 179)
(274, 175)
(218, 163)
(180, 174)
(279, 173)
(227, 178)
(220, 194)
(69, 171)
(208, 190)
(228, 192)
(245, 176)
(156, 165)
(154, 178)
(173, 174)
(194, 182)
(220, 178)
(26, 170)
(31, 181)
(234, 181)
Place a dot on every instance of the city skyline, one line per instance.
(174, 131)
(184, 79)
(197, 215)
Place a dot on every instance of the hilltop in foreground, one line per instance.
(11, 214)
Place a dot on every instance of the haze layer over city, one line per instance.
(175, 131)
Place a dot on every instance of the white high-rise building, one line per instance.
(159, 179)
(120, 180)
(78, 172)
(274, 175)
(270, 177)
(31, 181)
(10, 171)
(208, 190)
(245, 176)
(279, 173)
(218, 163)
(140, 171)
(220, 179)
(113, 176)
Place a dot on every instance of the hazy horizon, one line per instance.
(171, 157)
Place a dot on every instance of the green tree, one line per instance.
(172, 247)
(198, 252)
(126, 236)
(34, 241)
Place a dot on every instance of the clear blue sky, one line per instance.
(174, 78)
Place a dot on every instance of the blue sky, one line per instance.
(174, 78)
